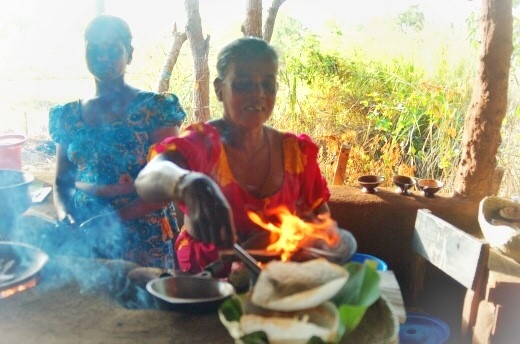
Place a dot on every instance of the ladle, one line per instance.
(250, 262)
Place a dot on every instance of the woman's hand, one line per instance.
(209, 212)
(211, 220)
(157, 180)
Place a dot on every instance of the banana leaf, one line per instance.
(358, 294)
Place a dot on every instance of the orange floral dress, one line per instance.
(304, 188)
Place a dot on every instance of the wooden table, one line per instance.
(497, 318)
(75, 303)
(78, 301)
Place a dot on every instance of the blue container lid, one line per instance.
(361, 257)
(423, 329)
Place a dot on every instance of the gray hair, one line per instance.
(245, 48)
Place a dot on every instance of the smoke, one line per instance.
(14, 198)
(87, 257)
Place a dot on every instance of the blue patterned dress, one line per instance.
(115, 154)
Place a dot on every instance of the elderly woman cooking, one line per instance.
(222, 170)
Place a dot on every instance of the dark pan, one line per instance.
(189, 294)
(25, 261)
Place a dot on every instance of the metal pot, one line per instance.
(14, 192)
(189, 294)
(19, 263)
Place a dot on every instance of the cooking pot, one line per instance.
(101, 236)
(19, 262)
(14, 192)
(189, 293)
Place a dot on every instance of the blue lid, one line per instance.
(423, 329)
(361, 257)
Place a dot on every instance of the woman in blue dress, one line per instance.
(101, 145)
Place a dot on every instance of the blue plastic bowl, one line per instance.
(362, 257)
(423, 329)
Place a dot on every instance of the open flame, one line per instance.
(5, 293)
(290, 233)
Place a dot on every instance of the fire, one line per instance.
(18, 288)
(292, 233)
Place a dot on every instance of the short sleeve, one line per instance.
(199, 144)
(315, 190)
(166, 109)
(62, 120)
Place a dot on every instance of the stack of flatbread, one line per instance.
(290, 302)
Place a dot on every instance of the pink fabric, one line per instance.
(193, 256)
(304, 187)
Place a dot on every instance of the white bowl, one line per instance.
(499, 233)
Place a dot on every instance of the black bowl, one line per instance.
(26, 260)
(403, 183)
(370, 182)
(429, 186)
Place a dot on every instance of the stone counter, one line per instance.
(383, 222)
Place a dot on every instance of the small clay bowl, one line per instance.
(370, 183)
(403, 183)
(429, 187)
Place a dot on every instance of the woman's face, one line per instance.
(248, 91)
(107, 57)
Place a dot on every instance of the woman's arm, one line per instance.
(158, 180)
(211, 220)
(161, 133)
(141, 207)
(323, 209)
(63, 191)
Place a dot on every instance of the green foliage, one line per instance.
(391, 112)
(412, 19)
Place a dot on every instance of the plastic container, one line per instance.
(11, 151)
(423, 329)
(362, 257)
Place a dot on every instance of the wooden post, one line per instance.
(339, 175)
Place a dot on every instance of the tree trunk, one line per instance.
(164, 80)
(271, 17)
(199, 51)
(481, 137)
(253, 24)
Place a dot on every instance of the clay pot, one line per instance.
(11, 151)
(403, 183)
(429, 186)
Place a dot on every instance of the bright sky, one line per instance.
(50, 32)
(58, 22)
(147, 15)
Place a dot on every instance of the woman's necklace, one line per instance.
(269, 159)
(265, 143)
(247, 171)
